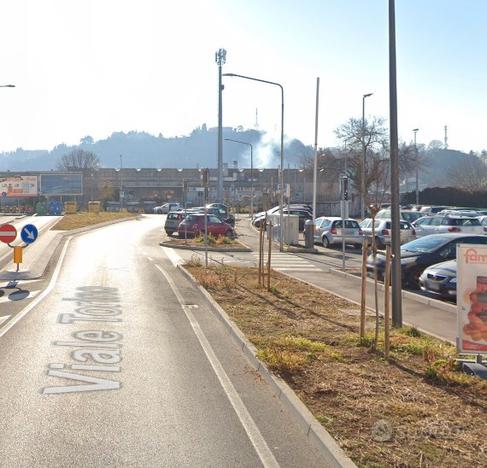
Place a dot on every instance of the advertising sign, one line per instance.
(18, 186)
(61, 184)
(472, 298)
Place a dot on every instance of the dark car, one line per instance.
(421, 253)
(193, 225)
(440, 279)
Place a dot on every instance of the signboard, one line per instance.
(18, 186)
(29, 233)
(472, 298)
(8, 233)
(61, 184)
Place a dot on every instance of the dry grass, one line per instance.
(416, 409)
(220, 242)
(80, 220)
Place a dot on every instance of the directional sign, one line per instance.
(8, 233)
(29, 233)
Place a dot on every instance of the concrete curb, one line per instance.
(316, 433)
(210, 249)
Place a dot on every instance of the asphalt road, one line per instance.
(117, 362)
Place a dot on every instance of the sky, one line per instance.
(93, 67)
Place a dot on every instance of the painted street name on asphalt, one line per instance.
(96, 350)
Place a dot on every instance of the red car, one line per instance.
(194, 225)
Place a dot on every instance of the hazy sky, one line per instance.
(94, 67)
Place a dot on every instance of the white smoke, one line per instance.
(267, 152)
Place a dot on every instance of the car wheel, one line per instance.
(325, 242)
(413, 278)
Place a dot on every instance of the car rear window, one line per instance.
(461, 222)
(351, 224)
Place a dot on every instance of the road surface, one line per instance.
(117, 362)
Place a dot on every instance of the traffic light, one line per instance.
(344, 187)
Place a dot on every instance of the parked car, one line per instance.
(167, 207)
(449, 222)
(219, 206)
(440, 279)
(304, 211)
(223, 215)
(328, 231)
(194, 225)
(383, 231)
(421, 253)
(406, 215)
(173, 220)
(431, 210)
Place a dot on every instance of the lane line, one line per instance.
(4, 318)
(41, 296)
(263, 451)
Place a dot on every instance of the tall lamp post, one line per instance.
(251, 172)
(362, 166)
(394, 155)
(220, 59)
(415, 130)
(281, 178)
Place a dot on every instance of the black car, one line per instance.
(424, 252)
(440, 279)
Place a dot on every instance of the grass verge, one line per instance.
(80, 220)
(416, 409)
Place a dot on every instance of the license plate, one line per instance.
(434, 286)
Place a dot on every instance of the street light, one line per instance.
(220, 59)
(251, 172)
(281, 183)
(362, 184)
(7, 86)
(415, 130)
(301, 171)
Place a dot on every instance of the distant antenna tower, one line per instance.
(446, 136)
(256, 118)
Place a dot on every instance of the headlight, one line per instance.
(453, 280)
(408, 260)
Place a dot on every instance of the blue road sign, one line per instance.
(29, 233)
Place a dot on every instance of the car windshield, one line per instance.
(411, 215)
(425, 244)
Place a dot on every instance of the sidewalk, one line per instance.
(439, 322)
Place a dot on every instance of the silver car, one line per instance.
(329, 231)
(450, 222)
(383, 231)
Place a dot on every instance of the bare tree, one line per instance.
(78, 160)
(470, 174)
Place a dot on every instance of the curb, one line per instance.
(210, 249)
(316, 433)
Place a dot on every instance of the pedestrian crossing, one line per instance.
(282, 261)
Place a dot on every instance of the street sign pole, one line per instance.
(205, 185)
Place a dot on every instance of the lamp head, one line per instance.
(368, 95)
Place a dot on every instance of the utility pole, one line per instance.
(315, 165)
(415, 130)
(220, 59)
(394, 154)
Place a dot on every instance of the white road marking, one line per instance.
(150, 259)
(173, 256)
(6, 297)
(297, 269)
(41, 296)
(263, 451)
(4, 318)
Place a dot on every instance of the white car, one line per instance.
(167, 207)
(383, 231)
(449, 222)
(328, 231)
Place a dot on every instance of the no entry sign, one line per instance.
(8, 233)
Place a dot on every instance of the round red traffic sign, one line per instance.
(8, 233)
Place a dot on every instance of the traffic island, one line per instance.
(71, 222)
(220, 244)
(415, 409)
